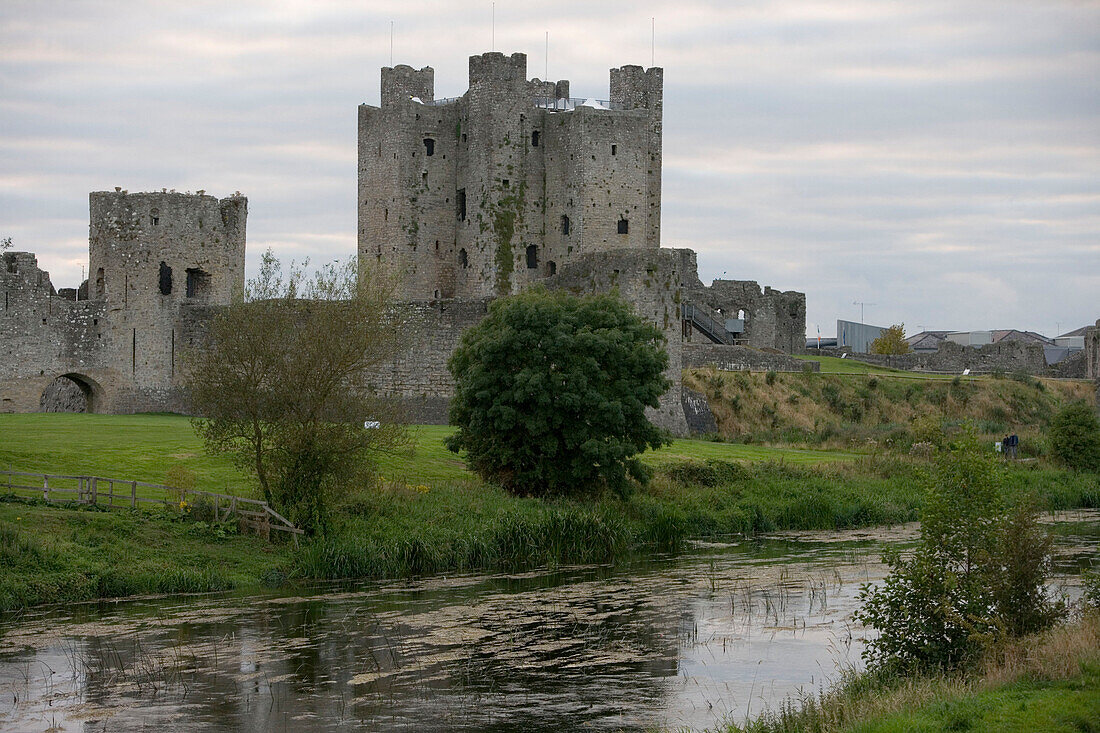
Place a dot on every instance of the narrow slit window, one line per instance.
(100, 283)
(535, 139)
(165, 279)
(429, 147)
(460, 204)
(624, 226)
(565, 225)
(463, 258)
(532, 257)
(552, 267)
(614, 149)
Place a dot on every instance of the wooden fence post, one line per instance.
(133, 494)
(93, 490)
(45, 487)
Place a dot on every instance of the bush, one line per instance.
(977, 574)
(551, 391)
(1075, 437)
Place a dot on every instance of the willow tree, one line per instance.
(282, 382)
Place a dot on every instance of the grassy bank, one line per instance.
(1049, 682)
(57, 555)
(879, 405)
(428, 514)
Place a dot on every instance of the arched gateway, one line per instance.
(71, 393)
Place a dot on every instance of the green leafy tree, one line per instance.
(280, 383)
(977, 574)
(5, 243)
(891, 341)
(1075, 437)
(551, 391)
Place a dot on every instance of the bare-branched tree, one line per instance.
(282, 382)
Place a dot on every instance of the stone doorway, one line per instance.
(69, 393)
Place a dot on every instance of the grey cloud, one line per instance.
(941, 159)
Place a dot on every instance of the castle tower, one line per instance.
(481, 195)
(156, 260)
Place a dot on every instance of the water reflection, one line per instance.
(726, 629)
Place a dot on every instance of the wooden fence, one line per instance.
(113, 492)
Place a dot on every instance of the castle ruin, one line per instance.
(517, 183)
(465, 199)
(158, 263)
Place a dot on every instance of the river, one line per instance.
(723, 630)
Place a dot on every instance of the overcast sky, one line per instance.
(937, 160)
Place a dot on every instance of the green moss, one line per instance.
(507, 212)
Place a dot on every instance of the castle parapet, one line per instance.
(633, 87)
(401, 82)
(496, 71)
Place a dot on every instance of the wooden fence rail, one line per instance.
(112, 492)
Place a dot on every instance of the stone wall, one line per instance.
(159, 261)
(651, 280)
(1074, 366)
(1008, 356)
(418, 377)
(742, 358)
(654, 281)
(1092, 351)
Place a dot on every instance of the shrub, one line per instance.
(928, 428)
(1075, 437)
(770, 377)
(1091, 581)
(977, 574)
(180, 481)
(551, 391)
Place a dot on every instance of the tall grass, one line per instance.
(851, 410)
(515, 539)
(55, 555)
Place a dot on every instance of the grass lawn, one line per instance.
(1071, 706)
(836, 365)
(134, 447)
(143, 447)
(429, 515)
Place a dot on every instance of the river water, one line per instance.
(724, 630)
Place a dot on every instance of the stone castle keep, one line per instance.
(478, 196)
(466, 199)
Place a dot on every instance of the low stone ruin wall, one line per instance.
(1008, 356)
(742, 358)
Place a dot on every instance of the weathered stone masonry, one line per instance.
(158, 263)
(467, 199)
(480, 195)
(514, 183)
